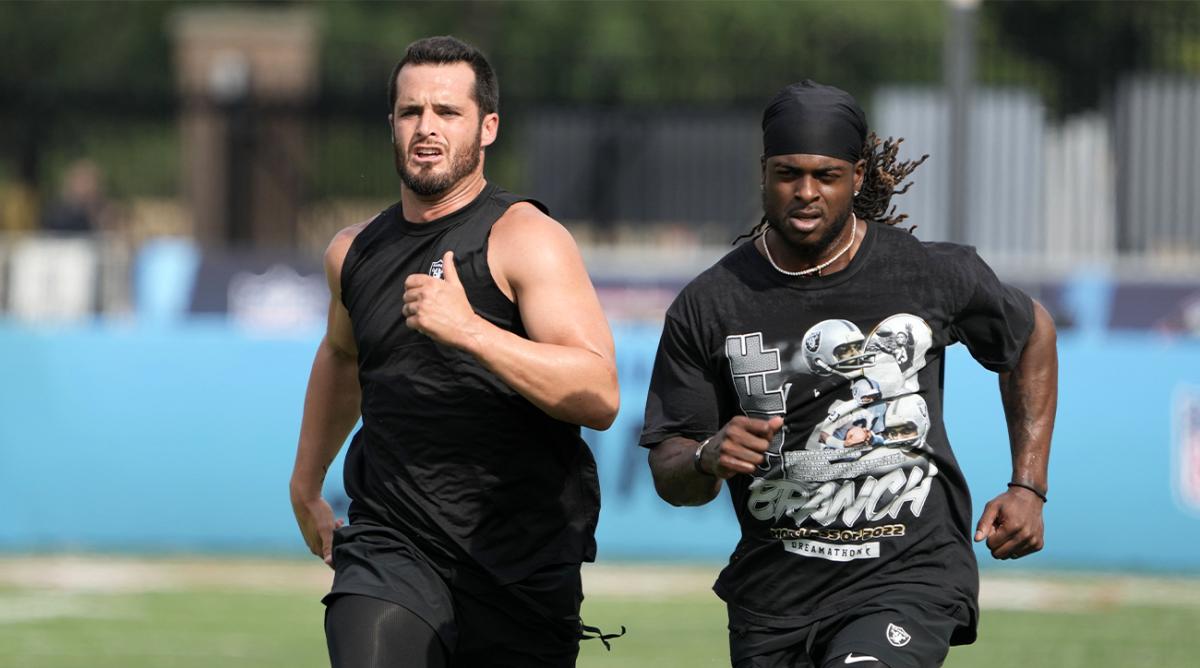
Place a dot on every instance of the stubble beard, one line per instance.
(811, 253)
(426, 183)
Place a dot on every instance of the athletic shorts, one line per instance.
(900, 632)
(531, 623)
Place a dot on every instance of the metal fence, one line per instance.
(1059, 174)
(609, 167)
(1157, 140)
(1099, 187)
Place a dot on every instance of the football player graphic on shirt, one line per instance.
(876, 437)
(855, 421)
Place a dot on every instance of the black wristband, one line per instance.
(1040, 495)
(696, 459)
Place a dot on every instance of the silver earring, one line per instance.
(856, 193)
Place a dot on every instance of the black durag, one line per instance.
(808, 117)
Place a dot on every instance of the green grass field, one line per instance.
(91, 613)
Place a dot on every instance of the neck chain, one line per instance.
(817, 269)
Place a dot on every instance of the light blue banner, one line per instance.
(181, 438)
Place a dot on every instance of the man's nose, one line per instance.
(806, 189)
(427, 123)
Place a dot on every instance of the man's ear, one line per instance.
(489, 129)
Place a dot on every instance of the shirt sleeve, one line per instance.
(996, 320)
(683, 397)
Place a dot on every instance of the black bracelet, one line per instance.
(1040, 495)
(696, 459)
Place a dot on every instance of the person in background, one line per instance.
(82, 205)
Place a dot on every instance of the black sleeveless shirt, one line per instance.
(448, 454)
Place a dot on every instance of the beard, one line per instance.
(426, 183)
(810, 252)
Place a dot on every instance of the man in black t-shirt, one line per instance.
(804, 371)
(464, 329)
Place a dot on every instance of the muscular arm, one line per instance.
(567, 365)
(331, 407)
(676, 479)
(1012, 522)
(737, 447)
(1030, 396)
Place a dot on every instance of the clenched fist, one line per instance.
(438, 308)
(740, 446)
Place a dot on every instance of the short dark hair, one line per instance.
(447, 50)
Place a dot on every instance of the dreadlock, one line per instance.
(884, 178)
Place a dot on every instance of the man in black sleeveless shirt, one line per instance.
(804, 371)
(465, 331)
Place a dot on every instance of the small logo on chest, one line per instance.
(435, 269)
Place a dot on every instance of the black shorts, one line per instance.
(901, 632)
(530, 623)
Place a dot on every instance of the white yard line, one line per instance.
(25, 605)
(132, 575)
(1086, 591)
(40, 578)
(29, 606)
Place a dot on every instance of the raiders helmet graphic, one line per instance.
(836, 346)
(906, 422)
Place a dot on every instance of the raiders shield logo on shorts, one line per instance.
(435, 269)
(897, 636)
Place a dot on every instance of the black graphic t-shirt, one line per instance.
(860, 492)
